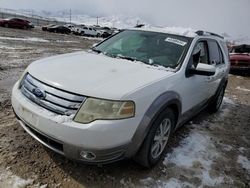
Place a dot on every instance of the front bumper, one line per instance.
(107, 140)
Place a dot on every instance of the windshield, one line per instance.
(149, 47)
(241, 49)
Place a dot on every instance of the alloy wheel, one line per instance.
(161, 138)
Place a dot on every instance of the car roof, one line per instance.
(187, 32)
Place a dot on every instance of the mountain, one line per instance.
(78, 17)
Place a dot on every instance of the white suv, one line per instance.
(125, 97)
(88, 31)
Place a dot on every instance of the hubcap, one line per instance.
(161, 138)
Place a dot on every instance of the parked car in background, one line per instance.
(16, 23)
(59, 29)
(124, 98)
(45, 27)
(240, 59)
(87, 31)
(70, 26)
(104, 32)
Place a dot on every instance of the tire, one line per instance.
(82, 33)
(25, 27)
(215, 104)
(151, 150)
(98, 35)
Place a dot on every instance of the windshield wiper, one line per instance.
(127, 58)
(96, 50)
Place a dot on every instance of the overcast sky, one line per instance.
(230, 16)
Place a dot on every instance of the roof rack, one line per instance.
(201, 33)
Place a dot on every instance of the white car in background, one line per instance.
(126, 97)
(86, 31)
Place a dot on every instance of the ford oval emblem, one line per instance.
(39, 93)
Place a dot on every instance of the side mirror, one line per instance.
(203, 69)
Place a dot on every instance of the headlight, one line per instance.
(94, 109)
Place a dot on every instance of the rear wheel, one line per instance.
(214, 106)
(155, 142)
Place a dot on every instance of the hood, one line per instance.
(95, 75)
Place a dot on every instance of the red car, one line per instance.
(240, 59)
(16, 23)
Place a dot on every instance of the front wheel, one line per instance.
(155, 142)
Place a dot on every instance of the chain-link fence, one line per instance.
(28, 15)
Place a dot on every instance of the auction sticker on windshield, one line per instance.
(175, 41)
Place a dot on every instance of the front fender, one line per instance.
(166, 99)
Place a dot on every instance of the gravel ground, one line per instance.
(212, 150)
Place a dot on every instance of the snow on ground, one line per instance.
(193, 153)
(9, 180)
(171, 183)
(244, 162)
(243, 89)
(32, 39)
(228, 100)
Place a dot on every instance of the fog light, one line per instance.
(87, 155)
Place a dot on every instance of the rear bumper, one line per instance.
(240, 70)
(239, 67)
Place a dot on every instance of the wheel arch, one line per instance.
(168, 99)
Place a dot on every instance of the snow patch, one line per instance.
(172, 182)
(176, 184)
(67, 41)
(9, 180)
(32, 39)
(196, 151)
(62, 119)
(243, 89)
(245, 163)
(228, 100)
(188, 32)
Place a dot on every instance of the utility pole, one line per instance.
(70, 15)
(97, 20)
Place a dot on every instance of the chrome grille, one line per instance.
(55, 100)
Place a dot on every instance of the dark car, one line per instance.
(59, 29)
(240, 59)
(45, 27)
(16, 23)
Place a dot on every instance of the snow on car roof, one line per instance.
(187, 32)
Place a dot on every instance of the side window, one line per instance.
(215, 53)
(200, 53)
